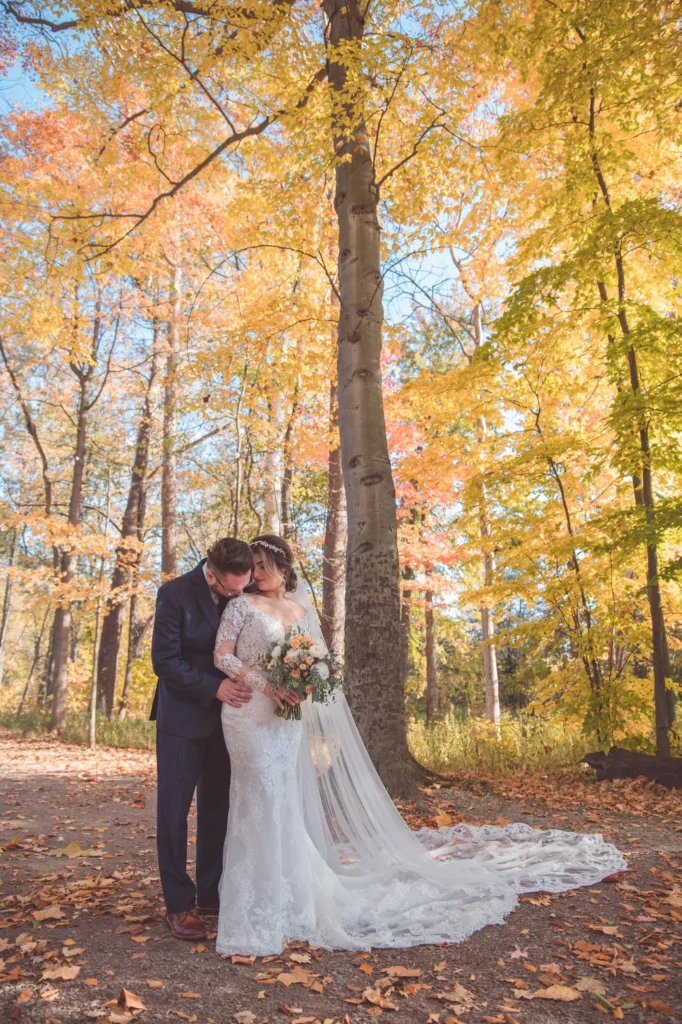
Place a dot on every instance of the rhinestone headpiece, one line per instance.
(267, 544)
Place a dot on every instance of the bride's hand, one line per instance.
(273, 694)
(279, 695)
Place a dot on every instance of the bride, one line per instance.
(316, 849)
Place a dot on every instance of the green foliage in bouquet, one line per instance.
(305, 667)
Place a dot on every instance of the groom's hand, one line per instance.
(233, 693)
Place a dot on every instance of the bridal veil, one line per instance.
(435, 885)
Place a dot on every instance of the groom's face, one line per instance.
(227, 584)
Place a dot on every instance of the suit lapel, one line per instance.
(206, 602)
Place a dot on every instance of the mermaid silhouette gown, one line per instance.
(316, 850)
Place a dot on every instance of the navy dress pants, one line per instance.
(183, 766)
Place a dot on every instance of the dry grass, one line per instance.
(452, 745)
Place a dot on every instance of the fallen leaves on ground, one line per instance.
(560, 993)
(617, 954)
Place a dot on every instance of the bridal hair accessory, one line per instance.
(267, 544)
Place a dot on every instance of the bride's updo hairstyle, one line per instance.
(278, 558)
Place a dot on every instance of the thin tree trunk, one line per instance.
(45, 689)
(664, 699)
(372, 648)
(136, 636)
(249, 497)
(273, 469)
(37, 644)
(7, 602)
(288, 476)
(334, 552)
(69, 560)
(132, 626)
(169, 482)
(405, 625)
(92, 729)
(239, 483)
(128, 550)
(490, 673)
(431, 662)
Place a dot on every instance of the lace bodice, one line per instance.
(246, 635)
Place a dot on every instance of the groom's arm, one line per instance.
(169, 665)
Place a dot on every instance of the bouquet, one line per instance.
(305, 667)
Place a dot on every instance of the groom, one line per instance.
(190, 750)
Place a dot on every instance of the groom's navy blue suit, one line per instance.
(190, 750)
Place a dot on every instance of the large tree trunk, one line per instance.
(169, 481)
(372, 648)
(69, 558)
(334, 553)
(128, 550)
(7, 601)
(431, 662)
(664, 699)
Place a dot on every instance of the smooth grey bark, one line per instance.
(372, 632)
(169, 469)
(334, 552)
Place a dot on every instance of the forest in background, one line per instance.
(206, 203)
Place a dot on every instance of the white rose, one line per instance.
(276, 653)
(322, 670)
(318, 649)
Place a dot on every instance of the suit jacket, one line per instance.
(185, 628)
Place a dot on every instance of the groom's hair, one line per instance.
(229, 555)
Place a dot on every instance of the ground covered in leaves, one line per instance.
(82, 936)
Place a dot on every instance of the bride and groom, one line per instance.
(313, 848)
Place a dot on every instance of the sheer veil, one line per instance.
(356, 827)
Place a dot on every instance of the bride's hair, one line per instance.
(278, 558)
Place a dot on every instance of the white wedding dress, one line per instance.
(317, 851)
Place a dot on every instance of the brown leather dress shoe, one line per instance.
(186, 925)
(208, 909)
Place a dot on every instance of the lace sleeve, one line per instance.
(224, 658)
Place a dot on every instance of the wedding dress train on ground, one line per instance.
(317, 851)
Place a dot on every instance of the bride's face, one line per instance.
(266, 581)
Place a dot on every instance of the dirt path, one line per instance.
(80, 918)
